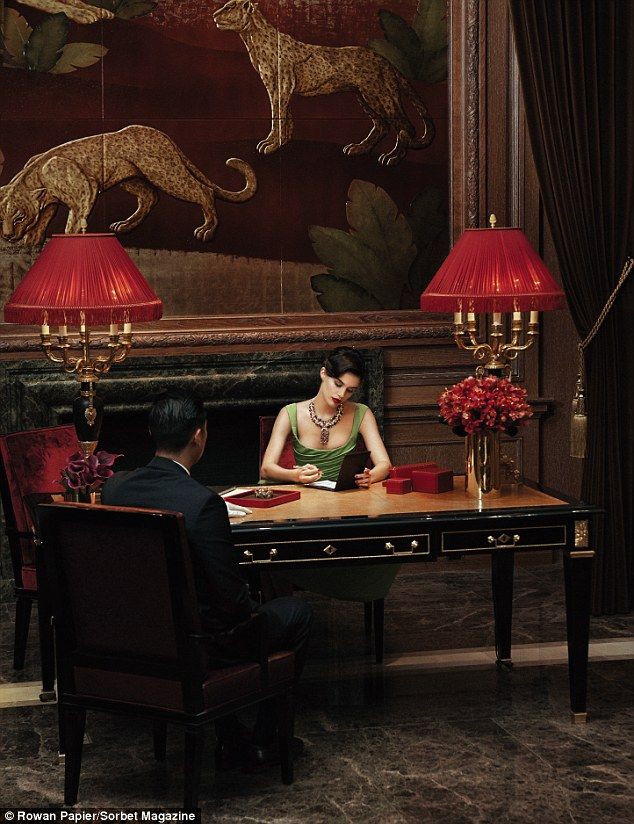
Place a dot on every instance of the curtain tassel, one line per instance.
(579, 422)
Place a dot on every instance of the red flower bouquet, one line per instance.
(484, 404)
(87, 474)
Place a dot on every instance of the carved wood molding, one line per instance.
(465, 113)
(256, 331)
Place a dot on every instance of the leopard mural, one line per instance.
(75, 10)
(287, 66)
(140, 159)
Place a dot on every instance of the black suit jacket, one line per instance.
(223, 596)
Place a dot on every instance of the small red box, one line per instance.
(280, 496)
(405, 470)
(433, 479)
(398, 486)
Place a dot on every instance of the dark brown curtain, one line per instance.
(577, 71)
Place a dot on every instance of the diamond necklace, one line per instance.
(327, 424)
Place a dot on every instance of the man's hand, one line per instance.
(307, 473)
(364, 480)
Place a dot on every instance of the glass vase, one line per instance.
(482, 464)
(82, 496)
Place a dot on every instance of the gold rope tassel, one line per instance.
(579, 423)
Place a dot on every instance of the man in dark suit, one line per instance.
(178, 425)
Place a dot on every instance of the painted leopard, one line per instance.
(75, 10)
(140, 159)
(287, 66)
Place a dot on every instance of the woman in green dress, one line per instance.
(324, 430)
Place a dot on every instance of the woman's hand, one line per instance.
(364, 480)
(307, 473)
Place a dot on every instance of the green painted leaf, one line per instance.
(394, 55)
(47, 40)
(103, 4)
(400, 34)
(78, 56)
(433, 67)
(430, 25)
(129, 9)
(375, 218)
(377, 251)
(426, 216)
(348, 258)
(15, 34)
(338, 295)
(429, 223)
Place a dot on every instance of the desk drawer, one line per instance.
(339, 549)
(478, 540)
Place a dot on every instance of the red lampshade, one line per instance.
(492, 270)
(89, 273)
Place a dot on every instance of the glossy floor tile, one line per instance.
(435, 735)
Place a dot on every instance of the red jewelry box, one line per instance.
(280, 496)
(435, 479)
(405, 470)
(398, 486)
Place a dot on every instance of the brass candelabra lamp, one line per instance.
(496, 271)
(84, 279)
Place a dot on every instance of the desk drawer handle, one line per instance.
(503, 540)
(414, 545)
(272, 554)
(248, 555)
(389, 547)
(330, 549)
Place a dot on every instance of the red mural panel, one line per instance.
(349, 146)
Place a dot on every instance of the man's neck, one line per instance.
(182, 458)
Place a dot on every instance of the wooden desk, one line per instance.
(370, 526)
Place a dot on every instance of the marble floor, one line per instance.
(435, 735)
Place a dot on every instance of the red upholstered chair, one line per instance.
(128, 635)
(30, 462)
(374, 611)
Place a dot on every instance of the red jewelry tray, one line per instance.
(279, 497)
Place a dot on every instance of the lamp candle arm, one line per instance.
(496, 351)
(86, 367)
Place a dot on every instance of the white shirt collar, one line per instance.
(181, 465)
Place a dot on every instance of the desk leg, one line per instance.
(502, 566)
(578, 582)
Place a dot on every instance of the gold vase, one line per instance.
(482, 464)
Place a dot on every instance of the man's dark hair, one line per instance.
(344, 360)
(174, 417)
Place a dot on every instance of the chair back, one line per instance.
(30, 461)
(124, 604)
(287, 458)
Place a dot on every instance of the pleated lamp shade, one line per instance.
(492, 270)
(86, 273)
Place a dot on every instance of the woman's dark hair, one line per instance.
(344, 360)
(174, 417)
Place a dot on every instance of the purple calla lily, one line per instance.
(87, 473)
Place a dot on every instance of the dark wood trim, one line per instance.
(254, 332)
(464, 107)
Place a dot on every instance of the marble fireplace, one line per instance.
(236, 387)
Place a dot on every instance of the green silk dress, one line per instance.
(347, 583)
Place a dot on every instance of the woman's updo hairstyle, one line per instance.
(344, 360)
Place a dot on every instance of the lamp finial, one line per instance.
(492, 221)
(83, 225)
